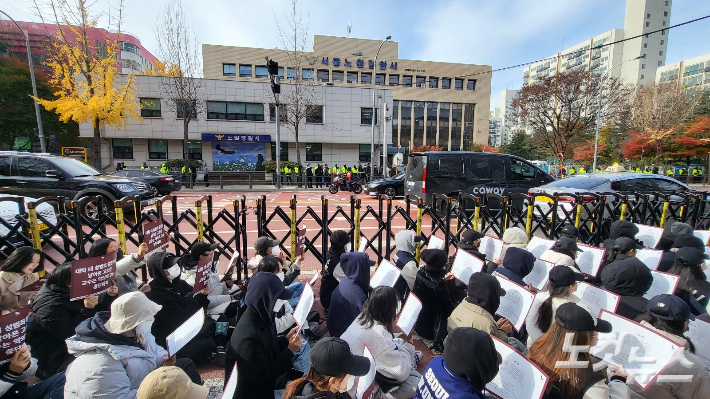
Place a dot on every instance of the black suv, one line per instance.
(44, 175)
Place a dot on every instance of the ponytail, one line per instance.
(320, 382)
(295, 388)
(612, 254)
(543, 321)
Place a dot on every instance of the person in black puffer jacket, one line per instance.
(669, 235)
(623, 253)
(338, 240)
(631, 281)
(470, 242)
(681, 241)
(438, 301)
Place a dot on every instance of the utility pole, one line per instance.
(273, 68)
(374, 111)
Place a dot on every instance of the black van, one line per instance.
(454, 172)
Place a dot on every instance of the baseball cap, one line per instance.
(199, 248)
(170, 383)
(566, 243)
(626, 244)
(570, 231)
(471, 235)
(169, 260)
(332, 357)
(675, 307)
(688, 240)
(577, 317)
(263, 243)
(691, 255)
(564, 276)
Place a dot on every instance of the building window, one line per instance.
(666, 4)
(244, 71)
(433, 82)
(468, 118)
(194, 150)
(307, 74)
(316, 114)
(366, 116)
(444, 111)
(122, 148)
(648, 16)
(323, 75)
(395, 122)
(366, 78)
(394, 80)
(664, 23)
(352, 77)
(261, 72)
(185, 108)
(314, 152)
(229, 69)
(431, 109)
(380, 79)
(281, 72)
(130, 47)
(456, 118)
(458, 84)
(645, 45)
(421, 81)
(405, 133)
(290, 74)
(471, 84)
(445, 83)
(418, 123)
(365, 155)
(660, 52)
(643, 66)
(665, 13)
(663, 42)
(663, 32)
(648, 24)
(282, 113)
(338, 77)
(406, 81)
(660, 63)
(235, 111)
(150, 107)
(157, 149)
(284, 151)
(641, 77)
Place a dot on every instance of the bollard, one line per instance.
(120, 226)
(324, 229)
(34, 231)
(528, 219)
(221, 184)
(477, 214)
(623, 210)
(504, 227)
(198, 220)
(420, 211)
(356, 222)
(666, 204)
(249, 181)
(294, 233)
(578, 216)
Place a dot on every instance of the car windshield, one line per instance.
(75, 168)
(398, 176)
(582, 182)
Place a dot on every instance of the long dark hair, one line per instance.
(269, 264)
(675, 327)
(99, 247)
(380, 307)
(321, 382)
(689, 274)
(61, 276)
(20, 258)
(544, 313)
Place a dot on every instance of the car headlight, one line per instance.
(125, 188)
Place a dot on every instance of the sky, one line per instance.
(499, 33)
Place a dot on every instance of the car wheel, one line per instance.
(390, 191)
(156, 192)
(91, 208)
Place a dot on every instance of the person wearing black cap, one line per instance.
(517, 264)
(437, 299)
(623, 253)
(563, 253)
(669, 235)
(339, 239)
(470, 242)
(631, 281)
(681, 241)
(479, 306)
(690, 266)
(668, 315)
(178, 304)
(575, 383)
(406, 242)
(333, 372)
(470, 362)
(570, 231)
(620, 228)
(265, 246)
(350, 295)
(219, 295)
(561, 287)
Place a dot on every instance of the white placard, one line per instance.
(363, 244)
(537, 246)
(596, 298)
(234, 259)
(516, 302)
(386, 275)
(629, 335)
(314, 279)
(663, 283)
(539, 274)
(231, 386)
(435, 243)
(699, 333)
(589, 259)
(409, 314)
(300, 314)
(465, 265)
(650, 257)
(491, 247)
(183, 334)
(703, 235)
(366, 383)
(649, 235)
(518, 377)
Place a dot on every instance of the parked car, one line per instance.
(392, 186)
(44, 175)
(160, 184)
(10, 213)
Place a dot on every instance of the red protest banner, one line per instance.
(301, 241)
(202, 275)
(92, 275)
(154, 234)
(13, 327)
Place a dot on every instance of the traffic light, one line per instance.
(275, 87)
(273, 67)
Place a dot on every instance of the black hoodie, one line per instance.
(438, 302)
(484, 291)
(517, 264)
(350, 295)
(631, 280)
(329, 282)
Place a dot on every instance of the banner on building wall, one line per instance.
(237, 156)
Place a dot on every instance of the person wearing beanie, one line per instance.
(681, 241)
(470, 362)
(178, 303)
(339, 239)
(514, 237)
(563, 253)
(623, 252)
(432, 288)
(470, 242)
(669, 235)
(170, 383)
(406, 242)
(668, 315)
(517, 264)
(690, 267)
(575, 382)
(350, 295)
(479, 306)
(631, 281)
(562, 284)
(115, 351)
(219, 295)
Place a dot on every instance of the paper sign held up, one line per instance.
(154, 234)
(465, 265)
(663, 283)
(231, 386)
(435, 243)
(385, 275)
(409, 314)
(517, 376)
(186, 332)
(650, 257)
(516, 302)
(366, 383)
(301, 241)
(537, 246)
(36, 286)
(363, 244)
(596, 298)
(13, 329)
(202, 274)
(92, 275)
(540, 274)
(232, 265)
(649, 235)
(300, 314)
(491, 247)
(589, 259)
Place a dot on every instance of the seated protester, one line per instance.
(517, 264)
(562, 284)
(350, 295)
(115, 351)
(631, 281)
(283, 311)
(56, 318)
(22, 366)
(571, 382)
(333, 372)
(219, 294)
(514, 237)
(339, 239)
(470, 242)
(170, 383)
(681, 241)
(126, 276)
(260, 355)
(394, 359)
(669, 235)
(570, 231)
(265, 246)
(16, 273)
(178, 303)
(437, 299)
(690, 266)
(470, 362)
(406, 243)
(479, 306)
(623, 253)
(668, 315)
(620, 228)
(563, 253)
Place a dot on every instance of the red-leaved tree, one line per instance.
(584, 152)
(639, 145)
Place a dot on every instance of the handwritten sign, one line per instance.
(185, 333)
(300, 314)
(154, 235)
(596, 298)
(13, 328)
(649, 235)
(409, 314)
(518, 377)
(385, 275)
(435, 243)
(202, 274)
(465, 265)
(537, 246)
(515, 304)
(650, 257)
(92, 275)
(366, 383)
(540, 274)
(663, 283)
(491, 247)
(589, 259)
(301, 241)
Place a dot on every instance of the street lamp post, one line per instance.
(40, 131)
(374, 104)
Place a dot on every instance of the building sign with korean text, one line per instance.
(242, 138)
(360, 63)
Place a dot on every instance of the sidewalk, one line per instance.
(256, 188)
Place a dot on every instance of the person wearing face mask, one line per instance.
(339, 241)
(470, 242)
(562, 285)
(115, 351)
(178, 303)
(126, 276)
(265, 246)
(219, 295)
(18, 272)
(334, 371)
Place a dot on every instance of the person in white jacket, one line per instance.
(289, 273)
(395, 359)
(220, 291)
(562, 285)
(563, 253)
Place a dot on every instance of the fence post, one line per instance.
(623, 208)
(388, 231)
(34, 229)
(198, 220)
(420, 211)
(209, 216)
(458, 214)
(379, 236)
(176, 227)
(294, 233)
(477, 214)
(666, 204)
(528, 219)
(243, 232)
(120, 226)
(324, 228)
(259, 229)
(447, 223)
(504, 222)
(78, 230)
(578, 216)
(356, 221)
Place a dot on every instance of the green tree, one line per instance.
(519, 145)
